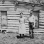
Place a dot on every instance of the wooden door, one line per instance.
(3, 19)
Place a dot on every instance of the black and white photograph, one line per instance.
(21, 21)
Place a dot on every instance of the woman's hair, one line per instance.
(21, 15)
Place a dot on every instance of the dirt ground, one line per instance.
(10, 38)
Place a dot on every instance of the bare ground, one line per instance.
(10, 38)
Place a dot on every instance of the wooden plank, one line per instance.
(17, 25)
(41, 26)
(10, 30)
(13, 25)
(26, 23)
(6, 4)
(27, 28)
(13, 17)
(13, 21)
(41, 13)
(13, 12)
(41, 18)
(41, 23)
(16, 28)
(11, 9)
(3, 9)
(26, 13)
(13, 28)
(39, 31)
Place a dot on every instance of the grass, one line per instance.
(10, 38)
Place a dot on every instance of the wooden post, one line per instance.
(38, 19)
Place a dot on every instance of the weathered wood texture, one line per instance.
(13, 18)
(0, 21)
(13, 22)
(41, 19)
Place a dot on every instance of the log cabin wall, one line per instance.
(12, 22)
(13, 16)
(41, 19)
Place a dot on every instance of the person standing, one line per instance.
(22, 29)
(31, 24)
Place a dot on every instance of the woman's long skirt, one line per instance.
(22, 29)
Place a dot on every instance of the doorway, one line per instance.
(3, 19)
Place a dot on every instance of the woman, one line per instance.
(22, 29)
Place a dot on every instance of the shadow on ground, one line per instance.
(10, 38)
